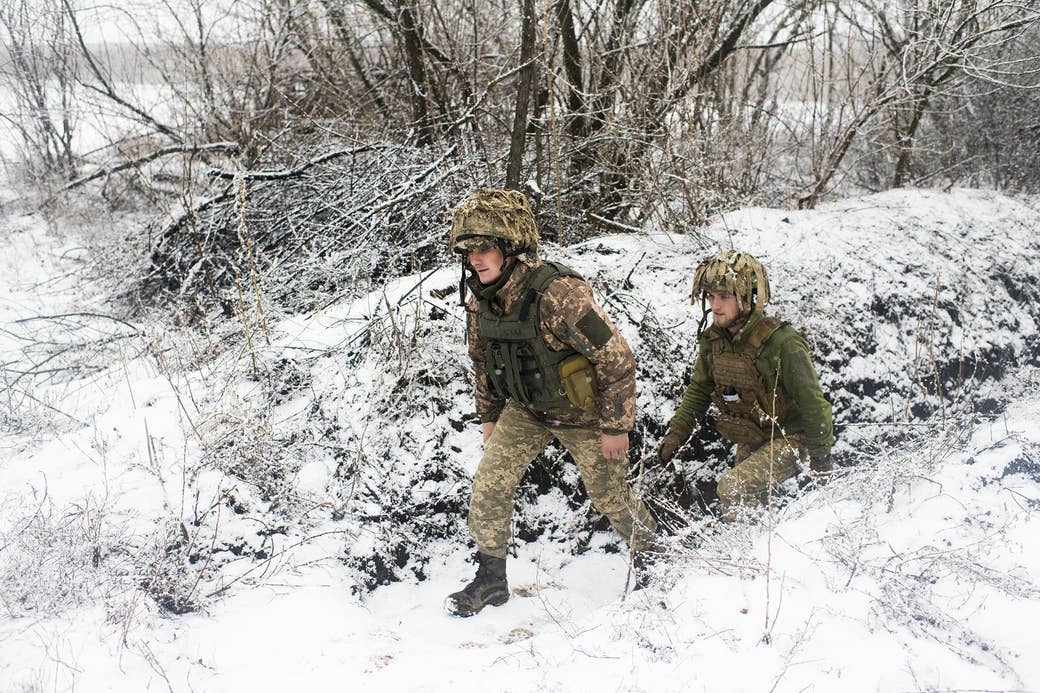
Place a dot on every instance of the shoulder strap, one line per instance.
(761, 333)
(541, 277)
(547, 272)
(539, 281)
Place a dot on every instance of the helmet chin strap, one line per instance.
(462, 281)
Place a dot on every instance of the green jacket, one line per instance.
(807, 415)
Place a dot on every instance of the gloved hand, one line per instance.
(820, 468)
(670, 443)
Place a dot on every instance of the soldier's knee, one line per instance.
(489, 474)
(733, 498)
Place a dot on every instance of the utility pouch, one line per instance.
(579, 382)
(740, 430)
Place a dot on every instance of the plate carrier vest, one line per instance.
(518, 362)
(746, 416)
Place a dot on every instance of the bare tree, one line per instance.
(913, 50)
(626, 112)
(39, 70)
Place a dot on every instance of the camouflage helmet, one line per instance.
(494, 218)
(736, 273)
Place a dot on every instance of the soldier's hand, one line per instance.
(670, 443)
(489, 428)
(614, 447)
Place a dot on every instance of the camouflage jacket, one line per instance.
(570, 318)
(784, 359)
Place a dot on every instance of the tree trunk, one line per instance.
(710, 64)
(906, 138)
(572, 66)
(523, 96)
(416, 75)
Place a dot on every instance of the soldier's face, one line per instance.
(724, 309)
(487, 264)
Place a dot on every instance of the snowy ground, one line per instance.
(915, 570)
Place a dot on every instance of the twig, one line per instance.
(917, 361)
(270, 558)
(74, 315)
(634, 512)
(397, 334)
(245, 320)
(209, 554)
(245, 237)
(767, 636)
(628, 277)
(931, 348)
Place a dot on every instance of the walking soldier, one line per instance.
(548, 363)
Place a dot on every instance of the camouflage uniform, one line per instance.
(763, 384)
(548, 363)
(804, 428)
(569, 319)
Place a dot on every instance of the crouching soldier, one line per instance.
(548, 363)
(757, 371)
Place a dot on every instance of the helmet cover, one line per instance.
(735, 273)
(488, 213)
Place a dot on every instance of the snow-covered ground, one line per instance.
(155, 534)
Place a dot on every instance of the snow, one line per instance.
(914, 569)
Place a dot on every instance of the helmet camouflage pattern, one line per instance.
(736, 273)
(488, 214)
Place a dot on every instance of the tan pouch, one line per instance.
(579, 382)
(740, 430)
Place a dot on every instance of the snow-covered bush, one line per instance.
(55, 558)
(334, 228)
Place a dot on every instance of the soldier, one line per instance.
(757, 371)
(548, 363)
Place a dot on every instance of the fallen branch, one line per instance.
(193, 211)
(290, 173)
(615, 225)
(158, 153)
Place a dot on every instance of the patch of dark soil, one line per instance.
(1024, 464)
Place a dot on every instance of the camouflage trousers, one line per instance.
(757, 472)
(517, 440)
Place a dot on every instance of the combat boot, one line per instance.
(488, 587)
